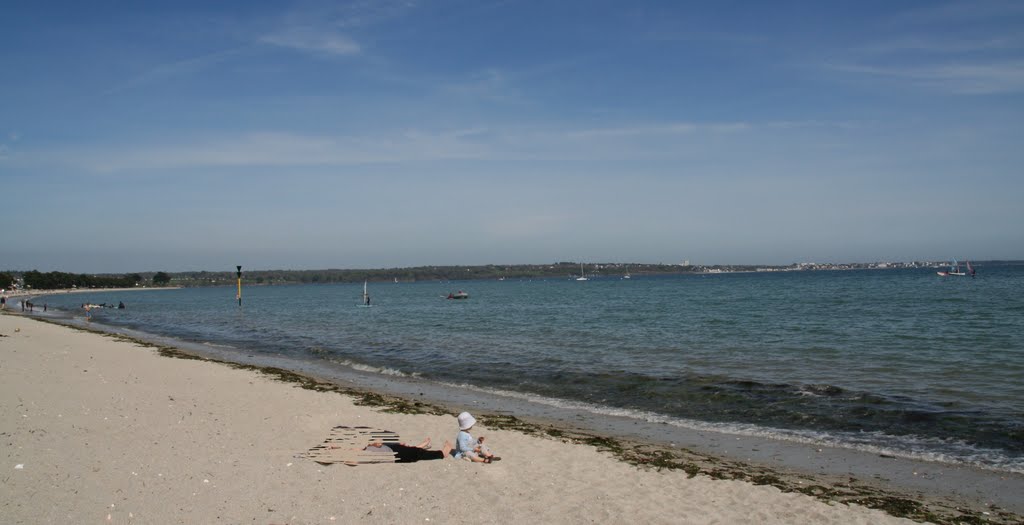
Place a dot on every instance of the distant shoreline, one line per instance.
(486, 272)
(561, 270)
(42, 293)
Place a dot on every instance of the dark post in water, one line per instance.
(239, 285)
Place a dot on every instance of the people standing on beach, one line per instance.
(3, 302)
(469, 448)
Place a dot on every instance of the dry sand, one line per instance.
(98, 430)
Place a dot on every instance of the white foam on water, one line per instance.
(387, 371)
(218, 345)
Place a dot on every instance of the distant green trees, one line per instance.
(558, 270)
(6, 281)
(37, 280)
(161, 278)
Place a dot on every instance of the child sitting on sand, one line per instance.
(469, 448)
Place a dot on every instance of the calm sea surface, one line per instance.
(900, 362)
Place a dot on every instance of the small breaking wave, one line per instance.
(387, 371)
(931, 449)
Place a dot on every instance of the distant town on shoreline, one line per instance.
(35, 280)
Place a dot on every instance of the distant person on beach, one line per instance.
(469, 448)
(3, 302)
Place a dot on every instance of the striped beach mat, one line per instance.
(346, 445)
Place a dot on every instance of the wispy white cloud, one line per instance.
(313, 39)
(487, 84)
(633, 131)
(944, 45)
(277, 149)
(967, 48)
(5, 146)
(959, 12)
(180, 68)
(330, 29)
(957, 78)
(682, 128)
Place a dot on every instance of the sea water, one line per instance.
(900, 362)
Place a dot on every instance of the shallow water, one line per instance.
(900, 362)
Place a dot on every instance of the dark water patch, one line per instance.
(817, 407)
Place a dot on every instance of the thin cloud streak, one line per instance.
(313, 40)
(281, 149)
(278, 149)
(960, 12)
(955, 78)
(945, 45)
(959, 48)
(178, 69)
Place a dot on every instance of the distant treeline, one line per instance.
(36, 280)
(559, 270)
(59, 280)
(422, 273)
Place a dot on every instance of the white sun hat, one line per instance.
(466, 421)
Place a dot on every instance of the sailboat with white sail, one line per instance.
(583, 275)
(954, 270)
(366, 297)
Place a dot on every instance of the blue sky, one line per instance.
(199, 135)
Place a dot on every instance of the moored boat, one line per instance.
(583, 275)
(954, 270)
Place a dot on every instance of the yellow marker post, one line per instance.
(239, 285)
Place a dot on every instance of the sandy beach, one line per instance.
(101, 430)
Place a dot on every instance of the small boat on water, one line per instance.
(366, 297)
(583, 276)
(954, 270)
(458, 295)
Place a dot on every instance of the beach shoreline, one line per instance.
(31, 294)
(657, 460)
